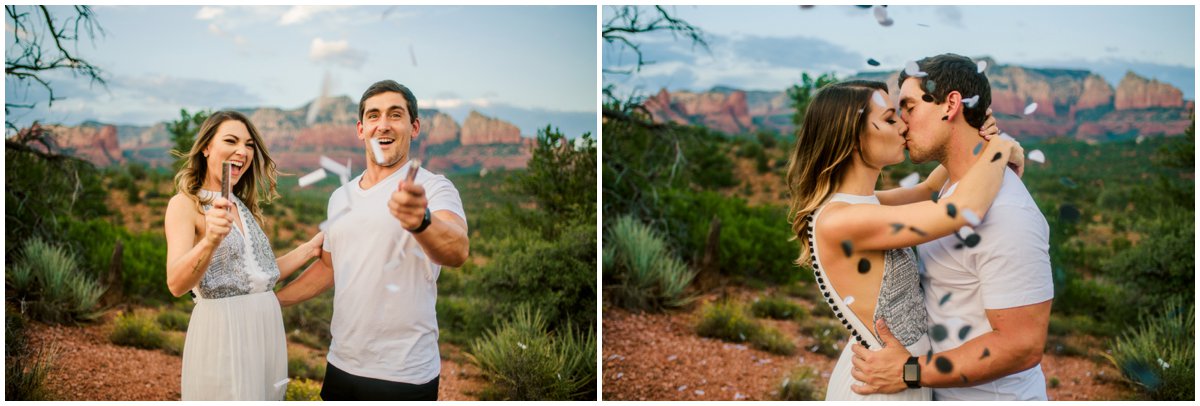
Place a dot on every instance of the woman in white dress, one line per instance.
(859, 249)
(235, 347)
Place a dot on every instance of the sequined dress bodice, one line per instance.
(243, 263)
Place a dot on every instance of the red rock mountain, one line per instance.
(479, 129)
(1074, 103)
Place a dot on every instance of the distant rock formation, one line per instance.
(479, 129)
(1136, 92)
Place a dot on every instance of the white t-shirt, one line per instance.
(1010, 267)
(384, 324)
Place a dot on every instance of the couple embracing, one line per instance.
(383, 253)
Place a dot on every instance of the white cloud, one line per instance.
(209, 13)
(299, 14)
(337, 52)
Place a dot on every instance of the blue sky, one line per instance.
(768, 47)
(159, 59)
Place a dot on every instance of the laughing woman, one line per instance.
(235, 347)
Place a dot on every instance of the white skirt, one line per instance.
(841, 379)
(235, 349)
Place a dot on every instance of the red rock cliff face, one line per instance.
(479, 129)
(439, 129)
(1136, 92)
(721, 111)
(95, 144)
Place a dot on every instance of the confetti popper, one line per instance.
(226, 183)
(313, 177)
(377, 151)
(412, 170)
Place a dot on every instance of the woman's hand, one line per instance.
(313, 246)
(1016, 158)
(989, 128)
(217, 221)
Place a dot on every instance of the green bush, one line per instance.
(461, 318)
(308, 322)
(48, 283)
(1159, 356)
(303, 390)
(173, 320)
(773, 341)
(828, 335)
(778, 308)
(727, 320)
(173, 342)
(801, 385)
(300, 366)
(25, 367)
(523, 360)
(137, 331)
(639, 271)
(142, 260)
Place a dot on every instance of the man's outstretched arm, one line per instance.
(1016, 343)
(315, 280)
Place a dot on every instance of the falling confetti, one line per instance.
(872, 62)
(1032, 107)
(938, 332)
(971, 101)
(997, 156)
(377, 151)
(849, 300)
(912, 69)
(978, 147)
(878, 99)
(698, 392)
(929, 356)
(864, 265)
(980, 66)
(917, 230)
(681, 388)
(962, 333)
(951, 210)
(896, 227)
(1068, 213)
(882, 17)
(1037, 156)
(945, 298)
(930, 85)
(1067, 182)
(672, 358)
(986, 354)
(1142, 373)
(933, 196)
(943, 365)
(335, 167)
(923, 25)
(971, 217)
(847, 248)
(964, 377)
(313, 177)
(928, 99)
(910, 180)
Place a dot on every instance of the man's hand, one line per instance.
(880, 371)
(408, 204)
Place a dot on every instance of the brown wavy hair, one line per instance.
(261, 176)
(835, 118)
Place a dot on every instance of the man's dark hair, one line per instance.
(385, 86)
(950, 72)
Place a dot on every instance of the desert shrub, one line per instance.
(639, 271)
(137, 331)
(461, 318)
(303, 390)
(1158, 356)
(828, 336)
(773, 341)
(43, 191)
(801, 384)
(1081, 324)
(142, 260)
(25, 366)
(779, 308)
(171, 319)
(523, 360)
(727, 320)
(47, 282)
(308, 322)
(300, 366)
(173, 342)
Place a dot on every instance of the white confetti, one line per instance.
(971, 217)
(393, 288)
(698, 392)
(620, 374)
(980, 66)
(313, 177)
(523, 346)
(284, 382)
(672, 358)
(788, 380)
(1037, 156)
(681, 388)
(1032, 107)
(335, 167)
(912, 69)
(882, 17)
(849, 300)
(971, 101)
(911, 180)
(965, 231)
(878, 99)
(377, 151)
(738, 396)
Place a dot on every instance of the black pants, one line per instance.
(341, 385)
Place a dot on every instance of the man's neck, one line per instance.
(376, 173)
(961, 152)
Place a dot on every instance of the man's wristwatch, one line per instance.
(912, 373)
(424, 223)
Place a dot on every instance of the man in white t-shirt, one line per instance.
(988, 290)
(386, 240)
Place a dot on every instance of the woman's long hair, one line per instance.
(830, 134)
(262, 174)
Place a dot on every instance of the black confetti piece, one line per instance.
(1067, 182)
(1068, 213)
(972, 240)
(847, 248)
(945, 298)
(864, 265)
(943, 365)
(938, 332)
(876, 125)
(996, 157)
(896, 227)
(962, 333)
(917, 230)
(934, 196)
(986, 353)
(958, 246)
(951, 210)
(945, 118)
(872, 62)
(964, 377)
(978, 147)
(927, 98)
(929, 356)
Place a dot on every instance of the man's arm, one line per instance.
(445, 240)
(315, 280)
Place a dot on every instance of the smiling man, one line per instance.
(988, 291)
(386, 242)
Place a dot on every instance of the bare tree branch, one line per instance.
(40, 46)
